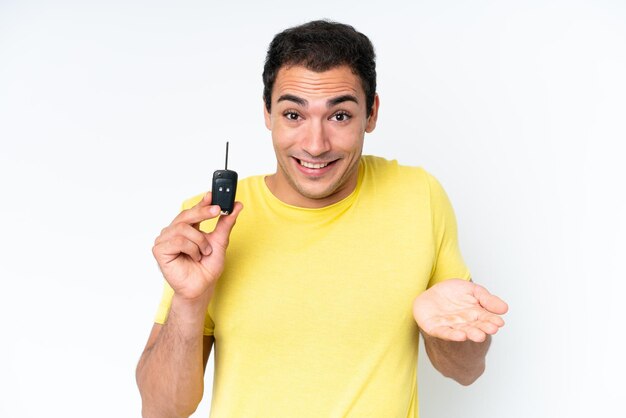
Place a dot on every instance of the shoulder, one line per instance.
(402, 186)
(415, 184)
(381, 169)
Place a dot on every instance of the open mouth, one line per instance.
(314, 166)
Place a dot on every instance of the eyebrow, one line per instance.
(290, 97)
(329, 103)
(338, 100)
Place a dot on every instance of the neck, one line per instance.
(293, 195)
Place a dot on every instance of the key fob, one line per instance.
(224, 189)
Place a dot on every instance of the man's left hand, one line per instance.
(459, 310)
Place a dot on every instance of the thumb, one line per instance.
(225, 224)
(490, 302)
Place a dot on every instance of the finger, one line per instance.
(448, 333)
(167, 251)
(492, 318)
(187, 231)
(225, 224)
(206, 200)
(197, 214)
(486, 327)
(473, 332)
(490, 302)
(476, 335)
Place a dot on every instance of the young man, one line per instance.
(315, 301)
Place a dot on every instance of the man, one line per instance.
(315, 301)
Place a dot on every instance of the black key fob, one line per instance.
(224, 188)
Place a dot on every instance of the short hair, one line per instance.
(319, 46)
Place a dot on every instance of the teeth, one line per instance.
(311, 165)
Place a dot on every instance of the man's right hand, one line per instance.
(191, 260)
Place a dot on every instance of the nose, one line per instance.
(317, 141)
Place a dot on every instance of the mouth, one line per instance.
(312, 165)
(317, 167)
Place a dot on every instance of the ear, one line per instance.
(371, 120)
(267, 116)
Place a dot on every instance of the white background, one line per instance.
(112, 113)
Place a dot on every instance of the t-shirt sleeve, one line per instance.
(166, 298)
(448, 263)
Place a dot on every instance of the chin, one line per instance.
(321, 192)
(314, 192)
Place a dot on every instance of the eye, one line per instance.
(291, 115)
(341, 116)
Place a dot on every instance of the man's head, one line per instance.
(319, 46)
(320, 99)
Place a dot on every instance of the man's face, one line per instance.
(318, 122)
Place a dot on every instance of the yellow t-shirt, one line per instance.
(312, 316)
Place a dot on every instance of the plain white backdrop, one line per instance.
(112, 113)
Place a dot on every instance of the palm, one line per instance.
(192, 260)
(458, 310)
(190, 278)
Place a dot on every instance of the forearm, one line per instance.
(463, 361)
(170, 373)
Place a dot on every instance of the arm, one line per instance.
(173, 363)
(170, 373)
(463, 361)
(456, 319)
